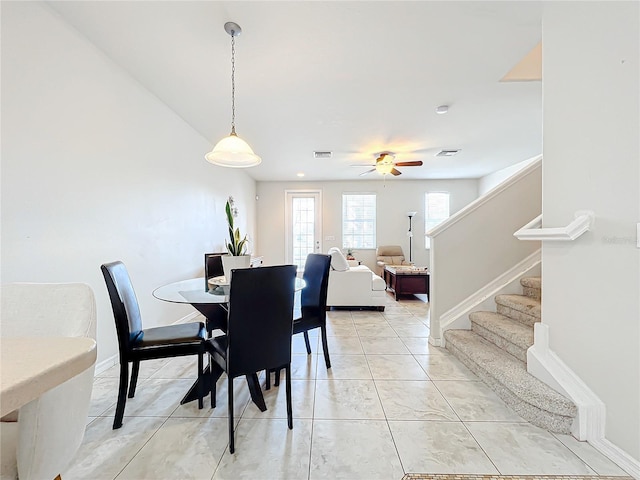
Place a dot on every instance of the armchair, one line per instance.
(389, 255)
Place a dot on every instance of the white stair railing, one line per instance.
(583, 222)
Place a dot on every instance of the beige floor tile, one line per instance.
(347, 399)
(104, 452)
(439, 447)
(188, 449)
(267, 449)
(344, 346)
(445, 367)
(597, 461)
(486, 405)
(395, 367)
(521, 449)
(372, 330)
(340, 451)
(413, 400)
(383, 345)
(302, 400)
(345, 367)
(408, 330)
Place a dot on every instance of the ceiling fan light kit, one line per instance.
(385, 165)
(232, 151)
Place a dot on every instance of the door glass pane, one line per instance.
(303, 215)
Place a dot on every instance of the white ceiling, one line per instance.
(355, 78)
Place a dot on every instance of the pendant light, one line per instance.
(232, 151)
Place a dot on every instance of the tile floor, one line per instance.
(391, 404)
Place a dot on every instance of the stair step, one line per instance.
(519, 307)
(529, 397)
(509, 335)
(532, 287)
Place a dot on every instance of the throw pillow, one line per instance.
(338, 261)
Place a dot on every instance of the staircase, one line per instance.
(495, 349)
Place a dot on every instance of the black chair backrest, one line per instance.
(260, 319)
(124, 303)
(316, 277)
(212, 266)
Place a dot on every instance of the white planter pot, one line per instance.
(229, 263)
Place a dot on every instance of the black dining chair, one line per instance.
(259, 330)
(137, 344)
(212, 267)
(312, 313)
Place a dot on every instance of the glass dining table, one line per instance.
(211, 298)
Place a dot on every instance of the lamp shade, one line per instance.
(233, 152)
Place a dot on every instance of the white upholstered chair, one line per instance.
(389, 255)
(48, 430)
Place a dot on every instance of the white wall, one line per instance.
(96, 169)
(487, 182)
(591, 161)
(394, 197)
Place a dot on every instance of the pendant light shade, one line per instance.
(232, 151)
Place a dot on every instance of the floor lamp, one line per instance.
(410, 232)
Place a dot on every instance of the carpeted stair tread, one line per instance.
(532, 287)
(492, 362)
(510, 330)
(527, 305)
(532, 282)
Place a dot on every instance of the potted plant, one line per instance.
(236, 246)
(350, 254)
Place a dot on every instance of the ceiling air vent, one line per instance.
(447, 153)
(322, 154)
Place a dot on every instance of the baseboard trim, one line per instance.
(498, 285)
(545, 365)
(589, 425)
(617, 456)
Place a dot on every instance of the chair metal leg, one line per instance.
(325, 346)
(200, 382)
(232, 447)
(267, 383)
(306, 342)
(214, 380)
(276, 381)
(289, 408)
(134, 378)
(122, 394)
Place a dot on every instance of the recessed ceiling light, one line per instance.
(300, 174)
(442, 109)
(447, 153)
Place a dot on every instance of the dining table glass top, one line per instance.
(199, 291)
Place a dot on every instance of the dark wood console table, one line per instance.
(402, 280)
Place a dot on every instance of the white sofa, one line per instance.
(353, 286)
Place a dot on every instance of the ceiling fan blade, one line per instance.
(416, 163)
(395, 172)
(368, 171)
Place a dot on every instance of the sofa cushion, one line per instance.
(338, 260)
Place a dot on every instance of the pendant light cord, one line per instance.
(233, 83)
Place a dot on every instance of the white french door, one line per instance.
(303, 222)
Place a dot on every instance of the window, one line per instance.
(436, 210)
(358, 220)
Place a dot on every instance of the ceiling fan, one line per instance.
(385, 164)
